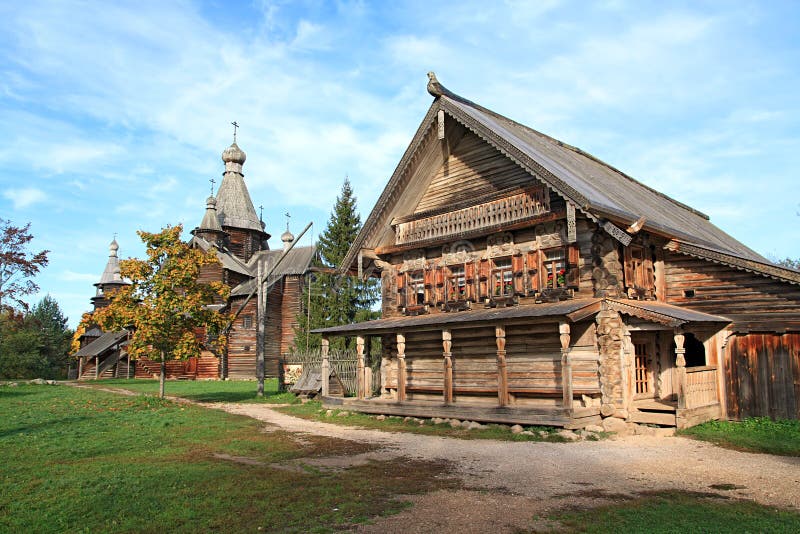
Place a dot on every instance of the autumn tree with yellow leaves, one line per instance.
(165, 304)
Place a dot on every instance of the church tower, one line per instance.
(235, 212)
(111, 280)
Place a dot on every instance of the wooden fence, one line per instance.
(701, 386)
(343, 362)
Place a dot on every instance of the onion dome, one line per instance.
(210, 222)
(287, 237)
(234, 154)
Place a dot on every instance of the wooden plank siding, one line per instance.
(763, 376)
(474, 168)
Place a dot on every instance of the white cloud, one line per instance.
(24, 198)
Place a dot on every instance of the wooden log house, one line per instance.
(526, 281)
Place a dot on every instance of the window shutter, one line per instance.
(630, 274)
(534, 270)
(573, 255)
(469, 274)
(427, 278)
(401, 290)
(439, 276)
(518, 268)
(649, 275)
(573, 276)
(483, 279)
(439, 282)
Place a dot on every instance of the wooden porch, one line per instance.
(546, 416)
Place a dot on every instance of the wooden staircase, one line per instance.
(654, 412)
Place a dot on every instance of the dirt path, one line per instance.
(510, 482)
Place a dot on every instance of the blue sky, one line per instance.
(114, 114)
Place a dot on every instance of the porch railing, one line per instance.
(701, 386)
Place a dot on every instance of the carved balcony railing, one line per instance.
(514, 208)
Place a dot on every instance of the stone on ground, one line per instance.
(516, 429)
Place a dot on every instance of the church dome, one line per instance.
(234, 154)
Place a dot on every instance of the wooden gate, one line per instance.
(763, 376)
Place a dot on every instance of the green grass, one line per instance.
(313, 410)
(678, 512)
(204, 390)
(86, 460)
(752, 435)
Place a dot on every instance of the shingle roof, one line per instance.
(660, 312)
(102, 344)
(591, 183)
(297, 262)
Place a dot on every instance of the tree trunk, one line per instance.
(162, 377)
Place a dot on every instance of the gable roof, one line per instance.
(105, 342)
(594, 187)
(297, 262)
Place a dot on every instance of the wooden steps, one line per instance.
(654, 412)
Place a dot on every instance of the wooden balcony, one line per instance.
(514, 208)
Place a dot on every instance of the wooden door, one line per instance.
(644, 357)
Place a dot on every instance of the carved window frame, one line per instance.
(415, 288)
(501, 281)
(555, 267)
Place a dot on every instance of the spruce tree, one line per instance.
(335, 299)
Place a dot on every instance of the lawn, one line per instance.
(674, 512)
(204, 390)
(78, 459)
(752, 435)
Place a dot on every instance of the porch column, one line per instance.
(401, 367)
(447, 344)
(360, 383)
(326, 366)
(368, 366)
(680, 369)
(96, 367)
(566, 366)
(502, 372)
(80, 366)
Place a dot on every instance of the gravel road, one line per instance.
(511, 482)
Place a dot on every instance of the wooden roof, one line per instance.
(107, 341)
(572, 310)
(596, 188)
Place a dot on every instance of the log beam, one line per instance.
(401, 367)
(447, 345)
(566, 366)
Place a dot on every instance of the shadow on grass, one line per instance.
(27, 429)
(8, 393)
(222, 396)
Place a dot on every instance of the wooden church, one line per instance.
(232, 228)
(526, 281)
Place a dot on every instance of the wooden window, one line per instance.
(639, 275)
(502, 279)
(554, 268)
(483, 279)
(534, 270)
(247, 322)
(456, 283)
(415, 290)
